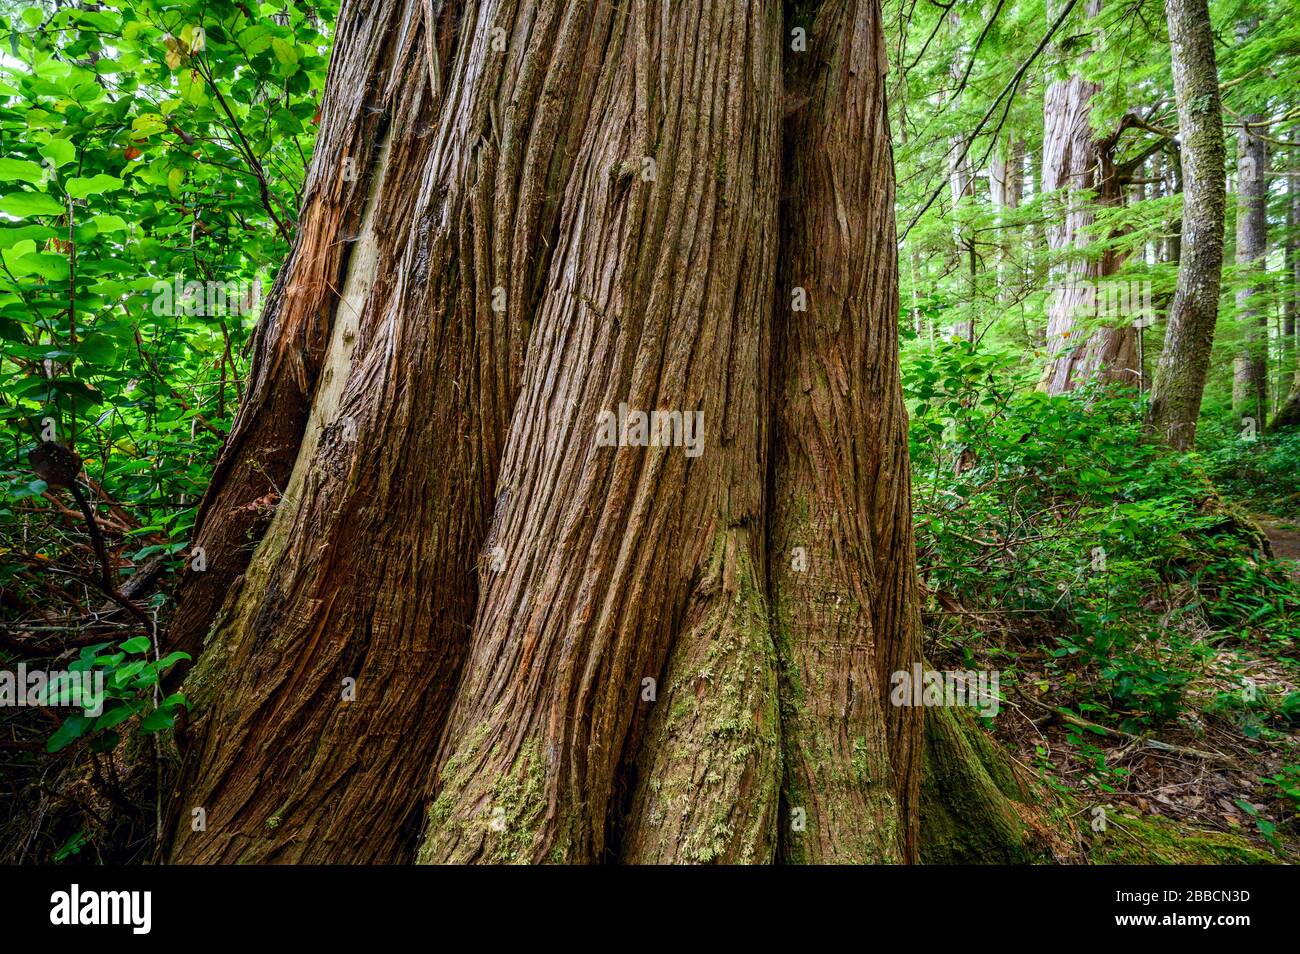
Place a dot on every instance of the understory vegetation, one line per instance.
(1144, 627)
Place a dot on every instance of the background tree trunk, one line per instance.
(1076, 161)
(1006, 183)
(961, 186)
(1250, 366)
(1289, 286)
(1288, 415)
(1189, 334)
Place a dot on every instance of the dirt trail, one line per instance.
(1284, 535)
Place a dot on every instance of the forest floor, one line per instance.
(1214, 784)
(1202, 772)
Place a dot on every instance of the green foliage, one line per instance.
(1286, 784)
(1263, 470)
(130, 679)
(72, 847)
(970, 87)
(1059, 510)
(154, 156)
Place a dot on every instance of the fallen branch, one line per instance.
(1128, 736)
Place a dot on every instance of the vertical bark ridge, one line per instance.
(841, 562)
(657, 300)
(368, 571)
(708, 778)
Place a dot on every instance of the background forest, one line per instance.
(1142, 604)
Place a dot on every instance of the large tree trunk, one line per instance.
(367, 570)
(577, 652)
(1250, 366)
(843, 602)
(1082, 167)
(973, 804)
(1288, 415)
(1189, 334)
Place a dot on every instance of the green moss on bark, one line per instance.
(1133, 840)
(709, 770)
(969, 796)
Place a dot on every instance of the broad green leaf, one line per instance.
(284, 51)
(172, 659)
(114, 716)
(9, 238)
(254, 39)
(72, 729)
(20, 169)
(59, 151)
(49, 266)
(95, 185)
(22, 204)
(148, 124)
(158, 720)
(110, 223)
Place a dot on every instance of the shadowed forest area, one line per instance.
(717, 431)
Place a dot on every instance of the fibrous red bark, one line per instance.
(464, 598)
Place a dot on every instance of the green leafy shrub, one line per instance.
(130, 677)
(1265, 470)
(1057, 511)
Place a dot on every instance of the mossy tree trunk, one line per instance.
(1288, 415)
(1179, 380)
(842, 583)
(973, 805)
(466, 630)
(332, 661)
